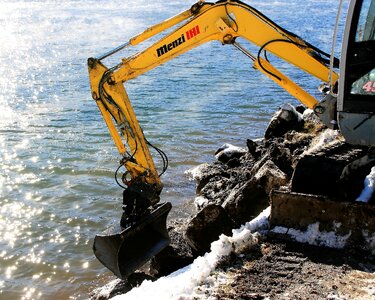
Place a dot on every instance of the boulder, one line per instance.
(227, 152)
(204, 172)
(245, 202)
(285, 119)
(269, 177)
(252, 147)
(207, 226)
(176, 255)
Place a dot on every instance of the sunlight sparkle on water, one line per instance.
(13, 221)
(30, 293)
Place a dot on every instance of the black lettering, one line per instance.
(167, 47)
(175, 43)
(162, 50)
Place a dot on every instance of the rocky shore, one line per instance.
(235, 189)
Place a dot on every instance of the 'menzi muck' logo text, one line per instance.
(168, 47)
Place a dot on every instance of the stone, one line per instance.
(228, 152)
(269, 177)
(176, 255)
(207, 226)
(245, 202)
(252, 147)
(285, 119)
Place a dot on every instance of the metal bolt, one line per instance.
(95, 96)
(319, 109)
(228, 39)
(91, 62)
(111, 80)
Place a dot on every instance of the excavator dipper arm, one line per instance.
(224, 21)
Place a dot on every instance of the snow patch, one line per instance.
(288, 108)
(257, 224)
(368, 190)
(228, 150)
(309, 115)
(200, 202)
(327, 137)
(186, 283)
(105, 291)
(314, 236)
(197, 172)
(204, 291)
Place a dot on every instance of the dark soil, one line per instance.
(279, 270)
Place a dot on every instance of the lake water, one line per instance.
(57, 160)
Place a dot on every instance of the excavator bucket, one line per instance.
(125, 250)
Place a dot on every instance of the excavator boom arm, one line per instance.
(223, 21)
(143, 221)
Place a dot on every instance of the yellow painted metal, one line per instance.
(223, 21)
(139, 163)
(165, 25)
(245, 22)
(289, 85)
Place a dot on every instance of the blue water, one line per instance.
(56, 157)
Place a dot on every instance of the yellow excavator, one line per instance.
(348, 104)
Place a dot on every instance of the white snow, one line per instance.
(327, 137)
(368, 190)
(184, 283)
(104, 291)
(228, 150)
(314, 236)
(309, 115)
(197, 172)
(200, 202)
(286, 108)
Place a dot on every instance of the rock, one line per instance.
(207, 226)
(282, 157)
(199, 171)
(206, 172)
(245, 202)
(228, 152)
(300, 108)
(176, 255)
(253, 148)
(217, 189)
(285, 119)
(234, 162)
(269, 177)
(119, 287)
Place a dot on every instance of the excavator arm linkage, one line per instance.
(224, 21)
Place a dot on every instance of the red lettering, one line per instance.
(192, 32)
(369, 87)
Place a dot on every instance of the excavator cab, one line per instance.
(356, 97)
